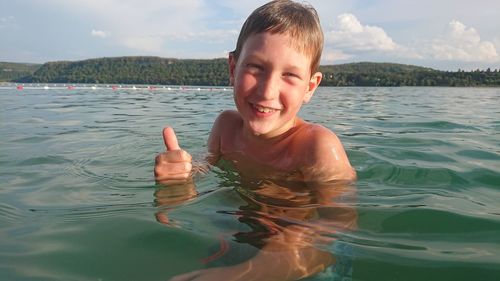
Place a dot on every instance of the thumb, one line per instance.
(170, 139)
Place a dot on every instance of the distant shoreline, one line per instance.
(166, 88)
(138, 87)
(213, 72)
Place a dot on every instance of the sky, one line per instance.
(441, 34)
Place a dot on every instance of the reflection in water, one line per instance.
(293, 227)
(171, 196)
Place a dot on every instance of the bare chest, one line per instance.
(275, 161)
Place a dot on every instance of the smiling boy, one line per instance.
(274, 71)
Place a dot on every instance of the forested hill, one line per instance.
(214, 72)
(134, 70)
(10, 71)
(390, 74)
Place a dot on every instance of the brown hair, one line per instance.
(299, 21)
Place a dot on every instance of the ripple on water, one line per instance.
(10, 214)
(114, 166)
(408, 176)
(91, 211)
(31, 139)
(44, 160)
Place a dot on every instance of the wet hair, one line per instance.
(298, 20)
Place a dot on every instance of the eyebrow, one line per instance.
(289, 67)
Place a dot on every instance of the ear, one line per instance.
(313, 85)
(232, 66)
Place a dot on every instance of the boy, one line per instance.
(273, 71)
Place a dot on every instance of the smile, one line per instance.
(263, 109)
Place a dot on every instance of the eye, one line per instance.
(292, 75)
(254, 66)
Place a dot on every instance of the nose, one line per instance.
(269, 86)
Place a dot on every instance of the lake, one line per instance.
(79, 201)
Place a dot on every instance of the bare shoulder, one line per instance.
(319, 138)
(227, 121)
(325, 156)
(228, 115)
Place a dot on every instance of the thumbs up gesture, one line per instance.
(174, 165)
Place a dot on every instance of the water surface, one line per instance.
(79, 202)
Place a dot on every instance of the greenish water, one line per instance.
(78, 199)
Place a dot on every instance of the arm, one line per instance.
(329, 174)
(224, 124)
(175, 168)
(276, 261)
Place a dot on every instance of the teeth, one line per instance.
(263, 109)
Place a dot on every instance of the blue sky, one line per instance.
(443, 34)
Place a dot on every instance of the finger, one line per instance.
(174, 156)
(170, 139)
(167, 178)
(173, 169)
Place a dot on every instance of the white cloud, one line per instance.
(462, 43)
(99, 33)
(349, 35)
(331, 56)
(350, 39)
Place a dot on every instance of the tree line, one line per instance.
(133, 70)
(389, 75)
(11, 71)
(214, 72)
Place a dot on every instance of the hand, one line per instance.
(174, 165)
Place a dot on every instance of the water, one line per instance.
(79, 202)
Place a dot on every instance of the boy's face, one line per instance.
(271, 81)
